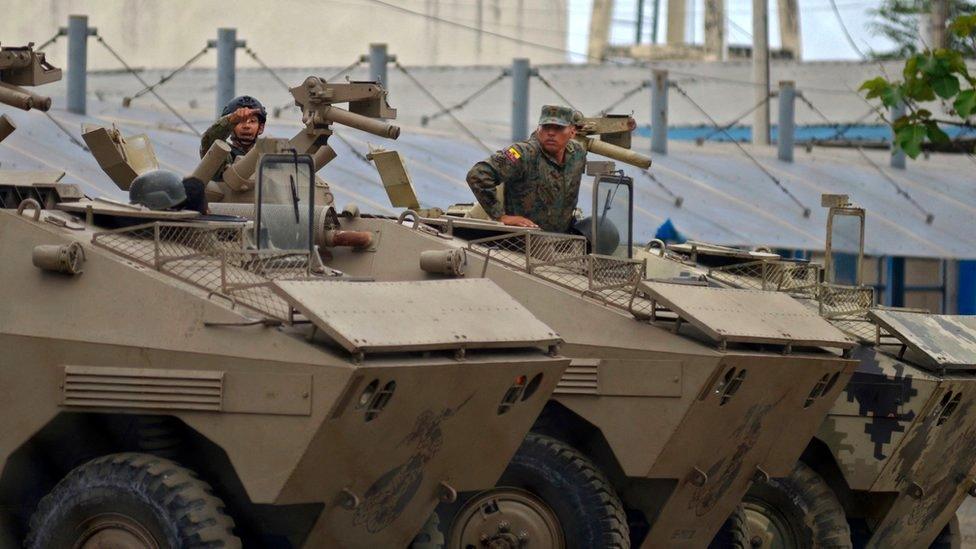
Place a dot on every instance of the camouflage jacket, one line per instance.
(536, 186)
(221, 129)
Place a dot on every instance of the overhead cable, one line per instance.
(464, 102)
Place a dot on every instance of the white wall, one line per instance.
(296, 33)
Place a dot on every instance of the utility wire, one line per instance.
(464, 102)
(678, 200)
(441, 106)
(358, 154)
(561, 97)
(167, 77)
(843, 27)
(627, 95)
(773, 178)
(140, 79)
(565, 51)
(929, 217)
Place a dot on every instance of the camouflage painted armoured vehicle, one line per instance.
(896, 455)
(671, 406)
(178, 380)
(678, 395)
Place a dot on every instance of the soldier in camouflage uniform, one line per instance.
(242, 120)
(541, 175)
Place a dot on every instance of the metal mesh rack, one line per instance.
(213, 257)
(562, 259)
(781, 276)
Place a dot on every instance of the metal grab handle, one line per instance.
(30, 202)
(657, 243)
(409, 213)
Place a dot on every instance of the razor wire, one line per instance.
(50, 40)
(65, 131)
(738, 119)
(627, 95)
(424, 120)
(266, 68)
(441, 106)
(929, 216)
(276, 111)
(144, 83)
(552, 88)
(678, 200)
(166, 78)
(773, 178)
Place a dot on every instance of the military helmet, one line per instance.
(245, 101)
(157, 190)
(607, 238)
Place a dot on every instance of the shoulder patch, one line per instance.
(513, 154)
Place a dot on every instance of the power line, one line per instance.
(424, 120)
(843, 27)
(555, 91)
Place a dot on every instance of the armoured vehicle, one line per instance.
(678, 396)
(895, 456)
(178, 380)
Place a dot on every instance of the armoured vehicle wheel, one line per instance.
(550, 496)
(796, 512)
(734, 533)
(131, 500)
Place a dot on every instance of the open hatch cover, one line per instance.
(746, 316)
(942, 342)
(417, 315)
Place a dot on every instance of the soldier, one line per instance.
(243, 121)
(541, 175)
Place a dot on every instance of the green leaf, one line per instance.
(911, 66)
(946, 86)
(874, 87)
(964, 25)
(909, 139)
(965, 103)
(919, 90)
(935, 134)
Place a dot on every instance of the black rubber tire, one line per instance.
(589, 511)
(167, 500)
(950, 537)
(807, 506)
(734, 533)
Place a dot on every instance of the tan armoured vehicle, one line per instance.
(896, 456)
(678, 395)
(177, 380)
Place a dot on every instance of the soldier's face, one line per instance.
(554, 137)
(249, 129)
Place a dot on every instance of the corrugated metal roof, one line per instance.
(727, 199)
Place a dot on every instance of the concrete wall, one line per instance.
(296, 33)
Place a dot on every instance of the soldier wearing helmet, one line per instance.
(541, 176)
(242, 120)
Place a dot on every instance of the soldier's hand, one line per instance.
(242, 114)
(517, 221)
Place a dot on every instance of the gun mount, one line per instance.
(367, 102)
(614, 138)
(22, 66)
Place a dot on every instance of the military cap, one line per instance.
(556, 114)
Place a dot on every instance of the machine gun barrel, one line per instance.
(330, 114)
(621, 154)
(23, 99)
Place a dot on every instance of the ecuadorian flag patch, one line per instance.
(513, 154)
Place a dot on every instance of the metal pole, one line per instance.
(895, 283)
(377, 63)
(659, 112)
(226, 66)
(897, 154)
(760, 70)
(787, 124)
(77, 63)
(655, 17)
(640, 21)
(520, 99)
